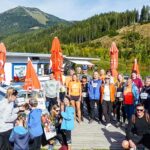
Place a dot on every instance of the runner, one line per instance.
(78, 70)
(137, 81)
(107, 100)
(69, 78)
(63, 89)
(94, 96)
(85, 103)
(51, 88)
(131, 98)
(145, 95)
(85, 73)
(75, 95)
(102, 75)
(119, 106)
(109, 74)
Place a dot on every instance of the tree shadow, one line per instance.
(114, 138)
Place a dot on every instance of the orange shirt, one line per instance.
(102, 77)
(67, 80)
(74, 88)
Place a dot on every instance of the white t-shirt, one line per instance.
(106, 93)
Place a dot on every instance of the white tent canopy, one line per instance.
(81, 62)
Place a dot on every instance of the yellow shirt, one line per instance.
(74, 88)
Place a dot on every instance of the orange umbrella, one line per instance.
(136, 67)
(56, 59)
(114, 59)
(31, 79)
(2, 61)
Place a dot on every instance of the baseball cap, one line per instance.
(84, 67)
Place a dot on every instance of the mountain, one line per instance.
(91, 37)
(23, 19)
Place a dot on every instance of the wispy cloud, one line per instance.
(75, 9)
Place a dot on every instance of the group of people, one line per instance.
(101, 98)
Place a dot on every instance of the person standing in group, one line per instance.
(137, 81)
(109, 74)
(85, 73)
(8, 115)
(131, 98)
(67, 124)
(138, 130)
(145, 95)
(20, 135)
(78, 70)
(51, 89)
(63, 89)
(75, 95)
(102, 75)
(94, 97)
(107, 99)
(119, 106)
(34, 124)
(69, 78)
(85, 103)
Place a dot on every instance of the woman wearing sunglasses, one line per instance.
(138, 130)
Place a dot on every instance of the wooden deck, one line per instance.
(95, 136)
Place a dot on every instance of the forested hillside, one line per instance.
(92, 38)
(24, 19)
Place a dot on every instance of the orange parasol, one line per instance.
(31, 79)
(2, 61)
(114, 59)
(136, 67)
(56, 59)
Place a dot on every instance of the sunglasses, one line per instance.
(57, 110)
(140, 110)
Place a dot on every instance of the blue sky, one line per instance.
(75, 9)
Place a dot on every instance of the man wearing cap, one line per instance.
(85, 73)
(51, 88)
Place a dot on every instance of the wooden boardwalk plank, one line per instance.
(95, 136)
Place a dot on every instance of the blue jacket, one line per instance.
(20, 138)
(94, 89)
(68, 118)
(135, 93)
(34, 122)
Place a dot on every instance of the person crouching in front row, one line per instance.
(138, 130)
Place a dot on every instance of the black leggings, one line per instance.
(120, 110)
(107, 109)
(4, 140)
